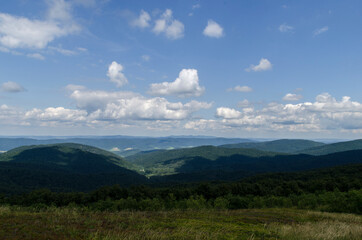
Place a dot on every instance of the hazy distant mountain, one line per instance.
(282, 145)
(124, 145)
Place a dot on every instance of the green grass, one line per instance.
(68, 223)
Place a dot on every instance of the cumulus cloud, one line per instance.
(56, 114)
(128, 105)
(325, 114)
(227, 113)
(21, 32)
(213, 29)
(264, 65)
(173, 29)
(186, 85)
(285, 28)
(202, 124)
(320, 30)
(142, 21)
(116, 75)
(241, 89)
(292, 97)
(12, 87)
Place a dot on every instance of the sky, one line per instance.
(249, 69)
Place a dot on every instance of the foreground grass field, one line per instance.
(68, 223)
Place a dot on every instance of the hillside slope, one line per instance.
(333, 148)
(65, 167)
(235, 167)
(163, 162)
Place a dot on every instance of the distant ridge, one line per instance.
(282, 145)
(333, 148)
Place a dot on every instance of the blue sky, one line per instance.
(281, 69)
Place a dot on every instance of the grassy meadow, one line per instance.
(77, 223)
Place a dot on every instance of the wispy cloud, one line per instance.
(241, 89)
(285, 28)
(320, 30)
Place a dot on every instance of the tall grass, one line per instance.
(72, 223)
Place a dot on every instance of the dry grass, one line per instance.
(324, 226)
(68, 223)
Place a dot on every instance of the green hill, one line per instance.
(333, 148)
(164, 162)
(282, 145)
(234, 167)
(65, 153)
(64, 167)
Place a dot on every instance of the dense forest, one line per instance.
(336, 189)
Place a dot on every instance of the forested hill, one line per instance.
(63, 167)
(282, 145)
(334, 148)
(74, 167)
(235, 167)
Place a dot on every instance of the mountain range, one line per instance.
(78, 167)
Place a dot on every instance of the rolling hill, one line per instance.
(333, 148)
(65, 167)
(234, 167)
(164, 162)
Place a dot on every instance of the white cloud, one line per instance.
(63, 51)
(142, 21)
(325, 114)
(146, 58)
(292, 97)
(202, 124)
(103, 105)
(116, 75)
(196, 6)
(320, 30)
(57, 114)
(186, 85)
(227, 113)
(213, 29)
(59, 10)
(94, 100)
(173, 29)
(241, 89)
(285, 28)
(21, 32)
(244, 103)
(12, 87)
(127, 105)
(36, 56)
(263, 65)
(73, 87)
